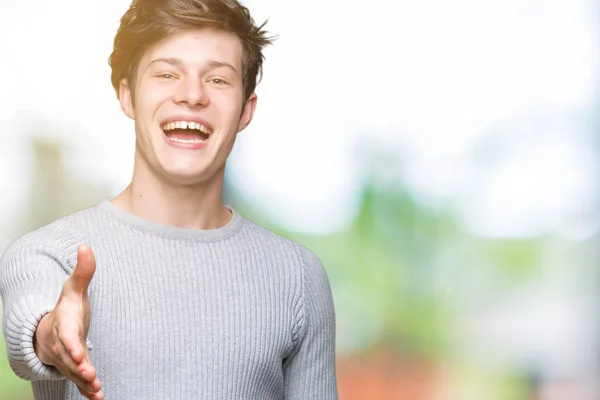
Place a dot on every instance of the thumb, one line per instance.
(84, 270)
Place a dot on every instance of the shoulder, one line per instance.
(265, 237)
(58, 240)
(278, 243)
(305, 262)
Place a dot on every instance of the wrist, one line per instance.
(40, 337)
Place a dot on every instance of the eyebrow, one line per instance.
(176, 62)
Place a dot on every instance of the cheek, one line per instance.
(229, 105)
(146, 111)
(150, 97)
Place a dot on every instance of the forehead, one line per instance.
(197, 47)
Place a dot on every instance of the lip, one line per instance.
(188, 118)
(190, 146)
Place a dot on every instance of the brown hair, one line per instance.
(146, 22)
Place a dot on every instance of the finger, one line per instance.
(98, 396)
(85, 394)
(80, 368)
(84, 270)
(72, 343)
(89, 372)
(91, 396)
(71, 371)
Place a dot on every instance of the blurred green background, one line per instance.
(445, 172)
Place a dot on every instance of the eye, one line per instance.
(166, 75)
(218, 81)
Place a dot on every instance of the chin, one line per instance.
(185, 180)
(188, 176)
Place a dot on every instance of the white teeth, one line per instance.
(194, 141)
(185, 125)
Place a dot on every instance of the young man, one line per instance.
(164, 292)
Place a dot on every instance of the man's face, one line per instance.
(188, 104)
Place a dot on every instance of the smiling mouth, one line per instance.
(186, 132)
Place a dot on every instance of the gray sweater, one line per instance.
(232, 313)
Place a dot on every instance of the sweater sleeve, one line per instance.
(309, 372)
(32, 272)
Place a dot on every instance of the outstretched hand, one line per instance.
(60, 338)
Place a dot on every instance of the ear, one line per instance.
(125, 99)
(247, 112)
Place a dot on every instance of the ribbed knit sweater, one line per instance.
(234, 313)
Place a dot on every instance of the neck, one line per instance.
(154, 198)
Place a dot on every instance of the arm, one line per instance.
(44, 279)
(31, 279)
(309, 372)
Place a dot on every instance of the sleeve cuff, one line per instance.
(20, 329)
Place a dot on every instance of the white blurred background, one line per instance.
(442, 158)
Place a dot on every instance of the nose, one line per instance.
(191, 92)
